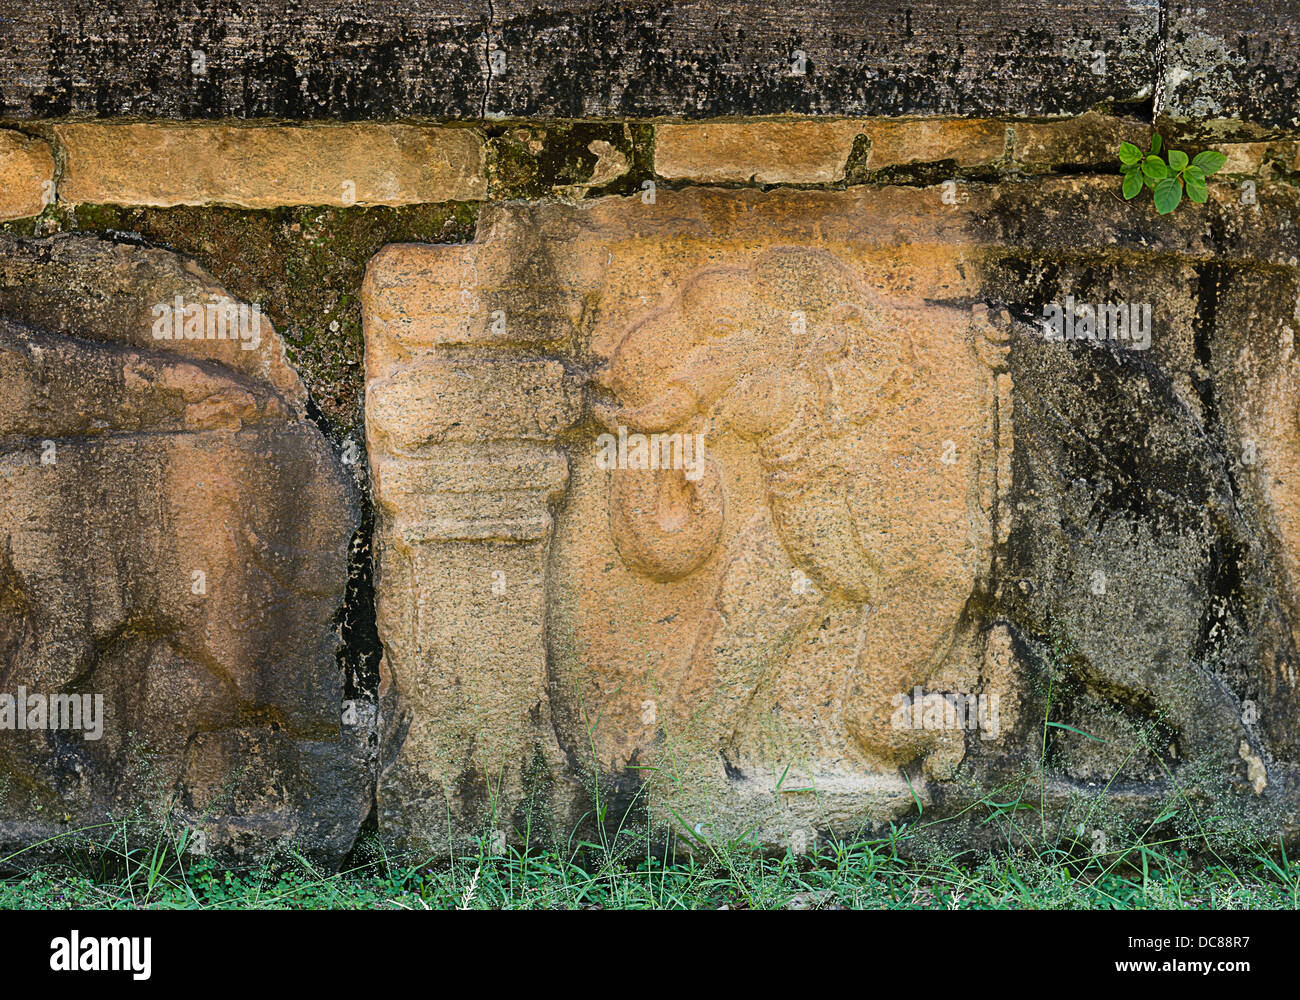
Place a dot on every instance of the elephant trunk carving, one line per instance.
(666, 520)
(665, 525)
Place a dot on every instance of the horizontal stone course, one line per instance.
(393, 60)
(816, 151)
(385, 60)
(260, 166)
(267, 166)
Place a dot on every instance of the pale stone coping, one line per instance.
(264, 165)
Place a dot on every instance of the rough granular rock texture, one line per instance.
(731, 499)
(26, 176)
(366, 60)
(1232, 66)
(173, 541)
(807, 152)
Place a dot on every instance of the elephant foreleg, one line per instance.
(758, 612)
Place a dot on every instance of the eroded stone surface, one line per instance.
(817, 152)
(807, 152)
(967, 144)
(355, 60)
(772, 607)
(264, 167)
(173, 539)
(1090, 140)
(905, 491)
(26, 176)
(1231, 65)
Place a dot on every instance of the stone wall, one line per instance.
(474, 424)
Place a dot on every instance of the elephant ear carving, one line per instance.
(762, 343)
(664, 525)
(868, 368)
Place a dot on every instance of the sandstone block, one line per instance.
(967, 143)
(761, 152)
(267, 166)
(1090, 140)
(26, 176)
(794, 547)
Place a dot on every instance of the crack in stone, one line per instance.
(487, 59)
(1162, 54)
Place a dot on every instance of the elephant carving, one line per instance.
(872, 424)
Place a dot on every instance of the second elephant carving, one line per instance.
(869, 421)
(684, 498)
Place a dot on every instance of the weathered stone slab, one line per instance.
(173, 550)
(1091, 140)
(323, 59)
(965, 144)
(1228, 61)
(907, 502)
(806, 152)
(108, 291)
(26, 176)
(264, 167)
(711, 59)
(355, 60)
(813, 151)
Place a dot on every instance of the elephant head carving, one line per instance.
(760, 347)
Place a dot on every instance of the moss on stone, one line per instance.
(303, 265)
(529, 160)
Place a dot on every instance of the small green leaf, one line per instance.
(1177, 159)
(1155, 142)
(1129, 153)
(1196, 188)
(1168, 194)
(1149, 182)
(1210, 161)
(1155, 168)
(1132, 184)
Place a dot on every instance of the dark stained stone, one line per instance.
(388, 59)
(1226, 60)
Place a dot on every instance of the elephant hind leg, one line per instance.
(758, 612)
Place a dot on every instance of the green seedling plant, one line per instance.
(1167, 179)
